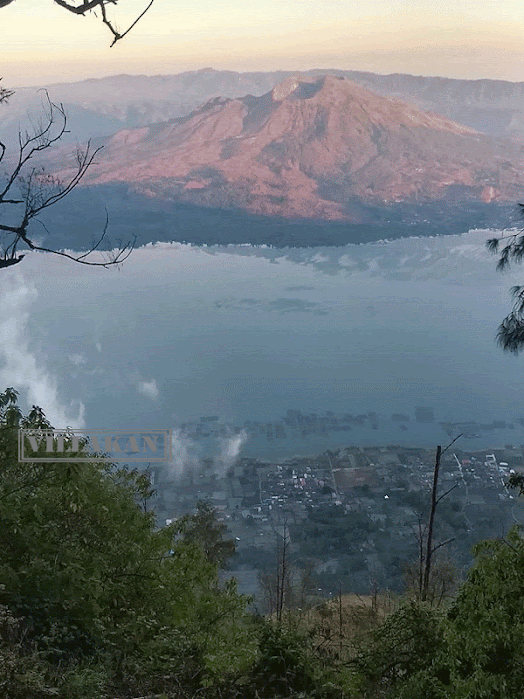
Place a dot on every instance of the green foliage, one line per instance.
(287, 664)
(103, 593)
(404, 644)
(204, 529)
(483, 632)
(510, 335)
(96, 602)
(22, 671)
(417, 499)
(83, 680)
(77, 553)
(487, 640)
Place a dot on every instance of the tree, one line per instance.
(27, 190)
(277, 583)
(87, 570)
(479, 647)
(510, 335)
(289, 666)
(430, 549)
(57, 566)
(442, 581)
(203, 529)
(429, 583)
(93, 6)
(480, 643)
(404, 645)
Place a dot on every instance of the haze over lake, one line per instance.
(248, 333)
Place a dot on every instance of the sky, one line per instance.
(42, 43)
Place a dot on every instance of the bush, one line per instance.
(23, 673)
(404, 644)
(288, 664)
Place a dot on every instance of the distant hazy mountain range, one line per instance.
(325, 148)
(106, 105)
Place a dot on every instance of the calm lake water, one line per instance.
(247, 333)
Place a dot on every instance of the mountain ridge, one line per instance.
(127, 101)
(311, 148)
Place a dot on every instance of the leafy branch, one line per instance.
(510, 335)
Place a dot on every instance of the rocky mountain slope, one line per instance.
(319, 148)
(103, 106)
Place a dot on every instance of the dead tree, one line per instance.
(27, 189)
(283, 572)
(423, 574)
(94, 6)
(278, 583)
(430, 549)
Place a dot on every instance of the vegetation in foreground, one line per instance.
(97, 603)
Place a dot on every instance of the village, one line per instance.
(352, 513)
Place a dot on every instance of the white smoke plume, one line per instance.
(187, 456)
(230, 449)
(184, 454)
(19, 367)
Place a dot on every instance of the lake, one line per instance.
(247, 333)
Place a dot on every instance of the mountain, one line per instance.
(102, 106)
(322, 148)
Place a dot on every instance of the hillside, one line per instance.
(323, 149)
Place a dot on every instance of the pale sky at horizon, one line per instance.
(42, 43)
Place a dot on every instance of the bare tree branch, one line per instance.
(430, 549)
(90, 6)
(446, 493)
(117, 36)
(86, 6)
(29, 190)
(452, 442)
(4, 93)
(443, 543)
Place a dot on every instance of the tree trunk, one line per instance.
(427, 568)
